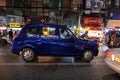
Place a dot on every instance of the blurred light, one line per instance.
(74, 26)
(113, 56)
(108, 53)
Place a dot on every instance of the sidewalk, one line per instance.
(104, 47)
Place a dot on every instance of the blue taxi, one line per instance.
(51, 40)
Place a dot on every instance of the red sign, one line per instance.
(93, 20)
(94, 28)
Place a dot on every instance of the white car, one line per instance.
(113, 59)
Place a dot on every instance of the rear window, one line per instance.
(48, 32)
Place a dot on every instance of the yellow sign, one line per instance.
(14, 25)
(117, 59)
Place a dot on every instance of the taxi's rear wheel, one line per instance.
(28, 54)
(88, 55)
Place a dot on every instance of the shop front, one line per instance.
(113, 25)
(15, 22)
(94, 26)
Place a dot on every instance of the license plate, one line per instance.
(117, 59)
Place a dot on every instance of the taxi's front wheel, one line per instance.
(28, 54)
(88, 55)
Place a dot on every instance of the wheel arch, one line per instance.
(91, 50)
(30, 48)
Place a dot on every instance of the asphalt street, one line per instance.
(12, 67)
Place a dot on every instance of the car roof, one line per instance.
(40, 25)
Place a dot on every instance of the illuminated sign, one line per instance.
(14, 25)
(88, 4)
(93, 20)
(94, 5)
(113, 23)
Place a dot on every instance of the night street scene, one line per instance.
(59, 39)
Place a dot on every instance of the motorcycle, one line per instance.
(4, 41)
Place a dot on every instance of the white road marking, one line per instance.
(61, 64)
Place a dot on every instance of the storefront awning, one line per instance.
(113, 23)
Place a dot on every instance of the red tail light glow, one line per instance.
(108, 53)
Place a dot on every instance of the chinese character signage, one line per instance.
(93, 20)
(14, 25)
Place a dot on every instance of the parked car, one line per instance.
(112, 38)
(113, 59)
(51, 40)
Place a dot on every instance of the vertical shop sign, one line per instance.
(88, 4)
(97, 5)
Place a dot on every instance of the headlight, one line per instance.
(113, 56)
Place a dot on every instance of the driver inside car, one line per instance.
(63, 34)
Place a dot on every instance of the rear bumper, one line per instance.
(115, 66)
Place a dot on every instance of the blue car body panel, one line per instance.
(52, 47)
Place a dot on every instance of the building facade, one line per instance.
(54, 11)
(60, 11)
(2, 9)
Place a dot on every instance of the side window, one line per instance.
(48, 32)
(31, 32)
(65, 34)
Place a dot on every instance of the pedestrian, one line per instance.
(85, 35)
(10, 35)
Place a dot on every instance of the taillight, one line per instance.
(108, 53)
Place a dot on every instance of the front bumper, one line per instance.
(115, 66)
(15, 49)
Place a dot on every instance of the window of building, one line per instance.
(117, 3)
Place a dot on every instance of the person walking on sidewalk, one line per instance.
(10, 34)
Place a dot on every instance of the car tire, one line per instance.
(88, 55)
(28, 55)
